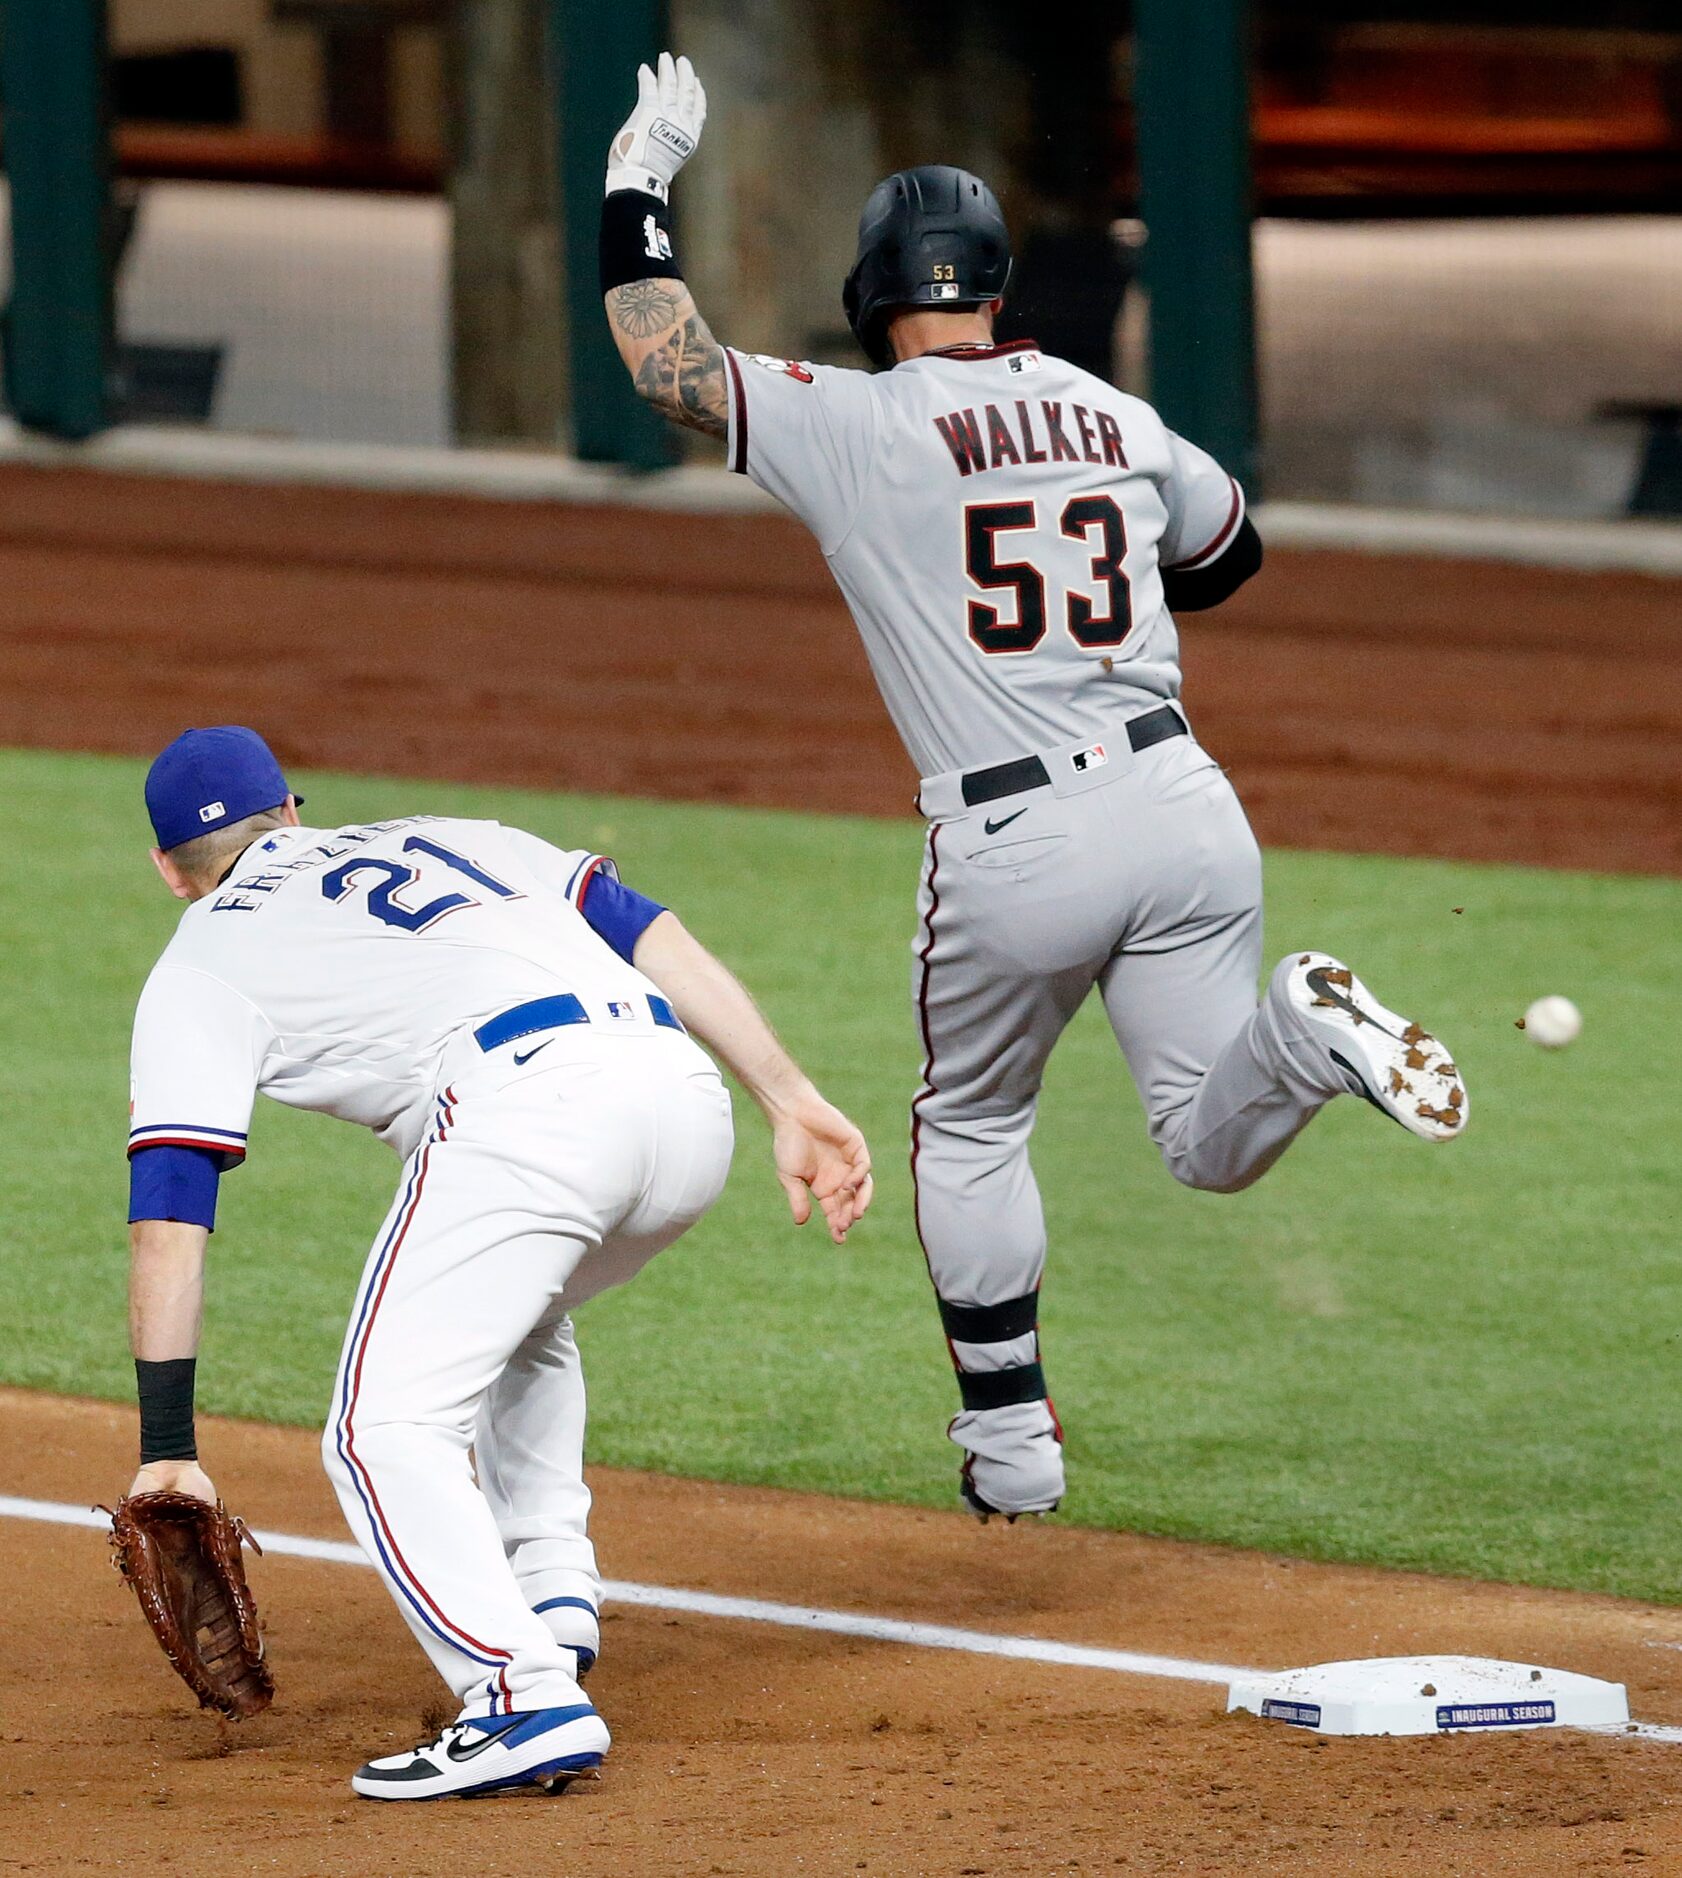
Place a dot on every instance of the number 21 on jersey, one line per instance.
(1102, 618)
(392, 877)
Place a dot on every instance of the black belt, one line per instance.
(1029, 772)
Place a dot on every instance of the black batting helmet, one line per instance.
(928, 237)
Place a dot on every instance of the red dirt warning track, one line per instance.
(753, 1752)
(1363, 702)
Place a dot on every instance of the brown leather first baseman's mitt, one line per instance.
(182, 1556)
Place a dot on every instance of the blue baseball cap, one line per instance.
(209, 778)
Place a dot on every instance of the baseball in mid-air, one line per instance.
(1553, 1022)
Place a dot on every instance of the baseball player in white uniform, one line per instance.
(515, 1024)
(1013, 537)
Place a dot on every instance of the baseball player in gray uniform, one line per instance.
(1014, 537)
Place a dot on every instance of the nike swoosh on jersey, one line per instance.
(525, 1056)
(994, 827)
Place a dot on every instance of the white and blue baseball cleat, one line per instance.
(1400, 1068)
(545, 1747)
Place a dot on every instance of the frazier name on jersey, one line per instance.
(1050, 436)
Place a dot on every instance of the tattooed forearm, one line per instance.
(672, 357)
(643, 308)
(684, 377)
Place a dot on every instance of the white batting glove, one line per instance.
(661, 134)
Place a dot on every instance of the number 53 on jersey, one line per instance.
(1098, 618)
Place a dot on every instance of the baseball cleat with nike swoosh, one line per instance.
(1398, 1067)
(545, 1747)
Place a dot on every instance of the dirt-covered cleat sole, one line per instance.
(1400, 1068)
(548, 1748)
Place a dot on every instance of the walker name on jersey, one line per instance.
(250, 891)
(1041, 430)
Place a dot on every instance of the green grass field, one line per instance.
(1462, 1359)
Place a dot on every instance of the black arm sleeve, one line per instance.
(1194, 589)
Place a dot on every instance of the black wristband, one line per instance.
(636, 239)
(166, 1409)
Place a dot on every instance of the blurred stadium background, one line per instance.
(372, 221)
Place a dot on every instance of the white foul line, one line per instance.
(747, 1610)
(924, 1636)
(800, 1617)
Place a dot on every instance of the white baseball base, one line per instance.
(1427, 1695)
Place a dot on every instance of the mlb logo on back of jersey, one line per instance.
(1020, 362)
(1094, 756)
(616, 1008)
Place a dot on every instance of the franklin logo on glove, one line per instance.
(662, 133)
(679, 142)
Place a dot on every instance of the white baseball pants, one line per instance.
(536, 1188)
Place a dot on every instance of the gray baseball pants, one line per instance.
(1138, 875)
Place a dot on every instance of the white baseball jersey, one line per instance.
(331, 969)
(997, 521)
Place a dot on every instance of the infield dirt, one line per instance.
(1375, 703)
(747, 1750)
(1382, 704)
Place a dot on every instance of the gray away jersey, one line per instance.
(997, 521)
